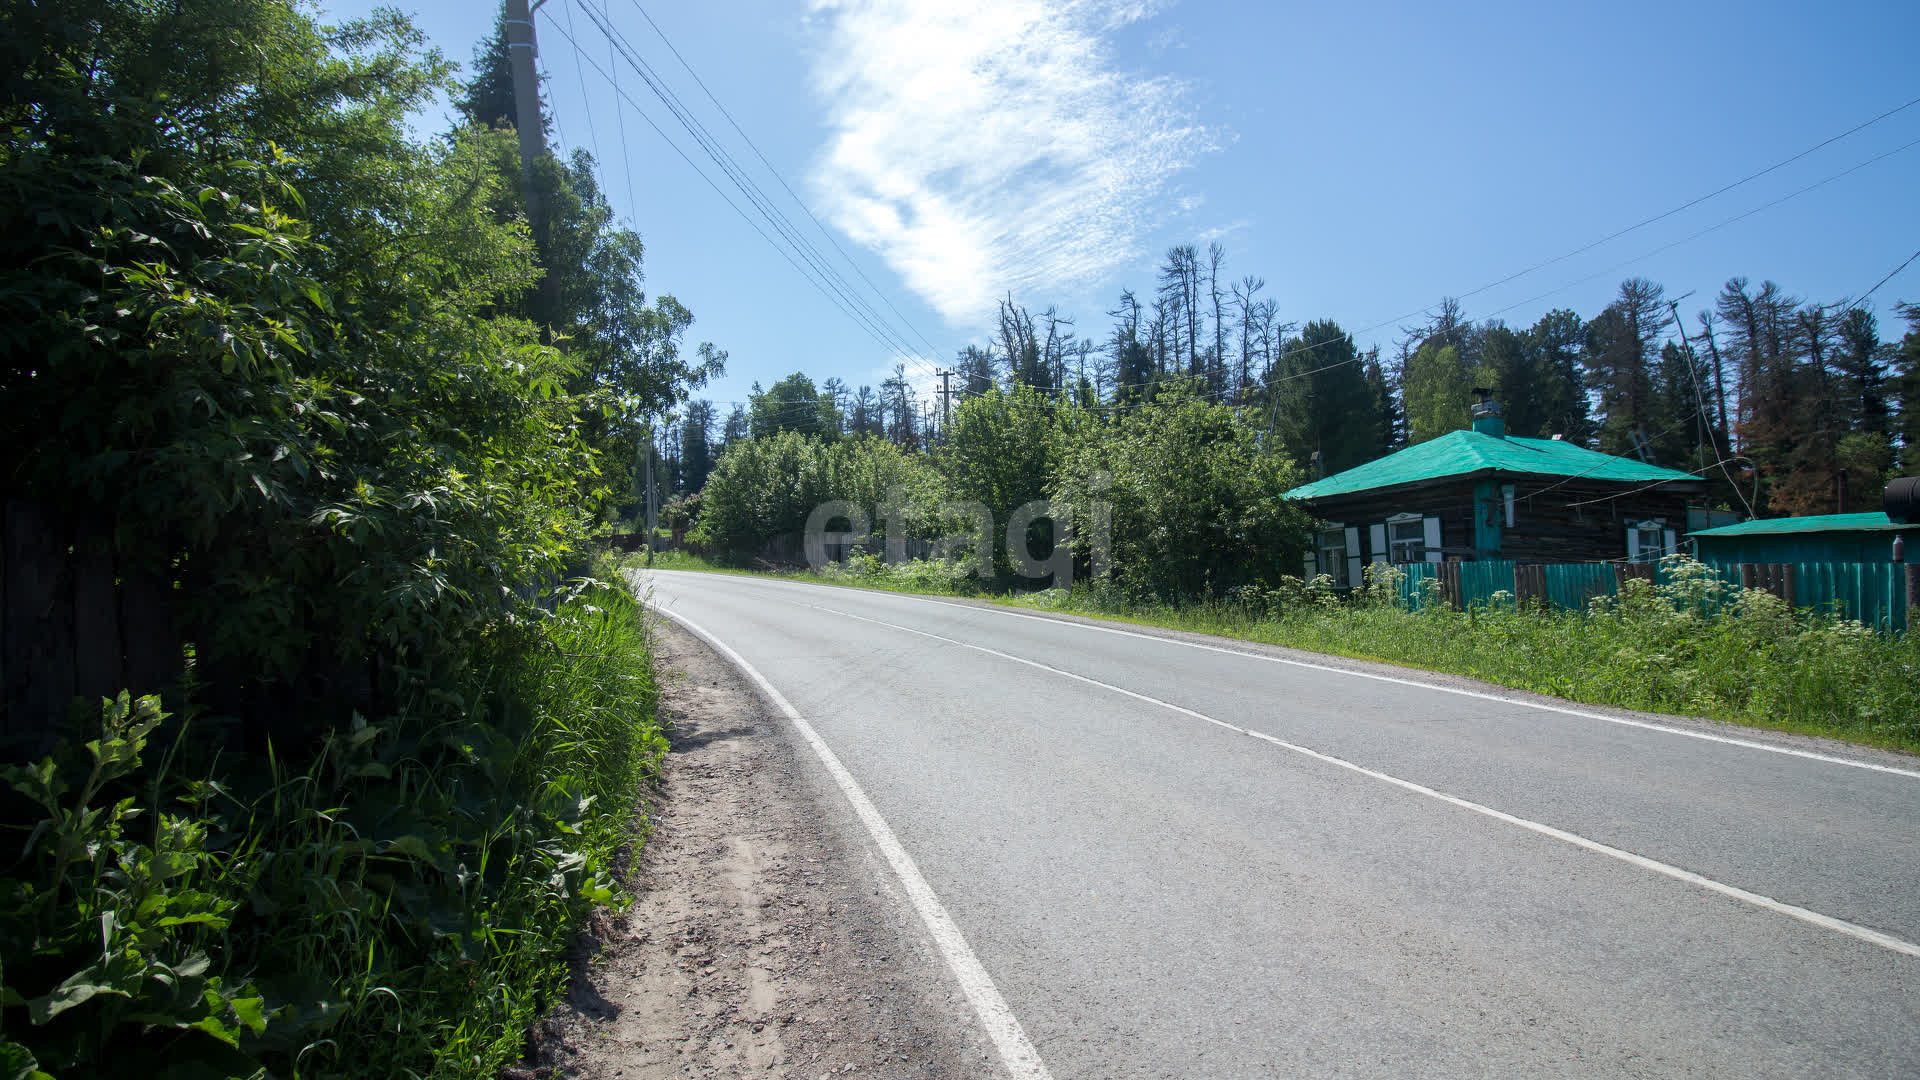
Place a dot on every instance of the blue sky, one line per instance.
(1365, 159)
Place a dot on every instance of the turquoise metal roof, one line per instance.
(1462, 453)
(1875, 522)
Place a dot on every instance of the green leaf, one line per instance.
(118, 977)
(416, 846)
(18, 1063)
(252, 1012)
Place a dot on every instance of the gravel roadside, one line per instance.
(766, 937)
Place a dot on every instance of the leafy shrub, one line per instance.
(105, 937)
(402, 903)
(766, 487)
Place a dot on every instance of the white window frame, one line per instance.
(1424, 548)
(1665, 541)
(1324, 558)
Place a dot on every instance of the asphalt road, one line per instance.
(1189, 862)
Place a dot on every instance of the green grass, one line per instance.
(919, 576)
(1751, 662)
(400, 904)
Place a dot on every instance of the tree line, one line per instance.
(1769, 396)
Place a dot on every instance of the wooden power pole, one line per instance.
(527, 120)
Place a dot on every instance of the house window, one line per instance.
(1407, 540)
(1647, 541)
(1332, 549)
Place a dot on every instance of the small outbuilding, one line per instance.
(1482, 494)
(1840, 538)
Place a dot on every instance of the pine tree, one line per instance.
(974, 367)
(1860, 362)
(1907, 388)
(1516, 379)
(1555, 343)
(696, 446)
(1386, 403)
(1761, 343)
(1132, 360)
(1621, 345)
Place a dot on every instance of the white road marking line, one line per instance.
(1750, 744)
(1016, 1052)
(1806, 915)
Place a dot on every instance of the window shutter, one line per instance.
(1633, 541)
(1378, 534)
(1354, 577)
(1673, 543)
(1433, 540)
(1307, 566)
(1507, 493)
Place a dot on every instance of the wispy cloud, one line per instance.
(1220, 232)
(986, 147)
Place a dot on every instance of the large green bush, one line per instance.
(283, 358)
(1198, 505)
(766, 488)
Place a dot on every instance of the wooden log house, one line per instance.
(1481, 494)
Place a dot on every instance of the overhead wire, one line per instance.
(776, 175)
(586, 99)
(755, 196)
(620, 121)
(1890, 276)
(855, 306)
(1617, 267)
(1749, 178)
(823, 288)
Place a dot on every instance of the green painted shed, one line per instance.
(1817, 538)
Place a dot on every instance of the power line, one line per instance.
(586, 100)
(776, 175)
(1721, 464)
(774, 217)
(823, 287)
(1884, 280)
(882, 334)
(620, 119)
(1749, 178)
(1617, 267)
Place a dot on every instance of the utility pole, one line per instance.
(945, 414)
(527, 120)
(652, 513)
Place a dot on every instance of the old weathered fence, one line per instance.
(76, 621)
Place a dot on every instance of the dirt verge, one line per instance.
(766, 938)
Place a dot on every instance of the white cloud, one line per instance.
(981, 148)
(1220, 232)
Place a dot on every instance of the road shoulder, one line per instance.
(765, 938)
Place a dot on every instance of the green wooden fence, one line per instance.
(1874, 594)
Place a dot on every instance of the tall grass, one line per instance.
(399, 905)
(929, 576)
(1694, 645)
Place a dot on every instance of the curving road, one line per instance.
(1185, 857)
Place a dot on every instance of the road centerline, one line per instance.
(1677, 873)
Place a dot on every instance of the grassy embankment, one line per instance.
(1697, 647)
